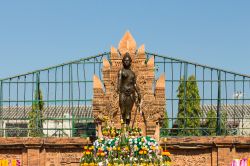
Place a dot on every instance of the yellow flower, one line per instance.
(91, 164)
(85, 147)
(145, 152)
(87, 152)
(91, 147)
(126, 148)
(85, 164)
(140, 152)
(118, 148)
(102, 154)
(167, 162)
(168, 153)
(165, 153)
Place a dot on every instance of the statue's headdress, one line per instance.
(125, 56)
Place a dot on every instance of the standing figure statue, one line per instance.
(127, 89)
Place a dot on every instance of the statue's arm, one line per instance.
(119, 78)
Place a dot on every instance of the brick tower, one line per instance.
(106, 98)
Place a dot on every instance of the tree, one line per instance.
(36, 115)
(211, 120)
(165, 124)
(188, 118)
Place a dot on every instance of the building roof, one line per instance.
(232, 110)
(62, 111)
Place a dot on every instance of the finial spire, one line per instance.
(127, 44)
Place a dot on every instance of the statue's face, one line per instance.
(126, 62)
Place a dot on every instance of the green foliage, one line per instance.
(35, 116)
(165, 124)
(211, 123)
(189, 110)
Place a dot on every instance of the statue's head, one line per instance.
(126, 60)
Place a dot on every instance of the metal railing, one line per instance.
(57, 101)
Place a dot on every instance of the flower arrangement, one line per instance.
(125, 149)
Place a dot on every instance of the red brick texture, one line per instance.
(186, 151)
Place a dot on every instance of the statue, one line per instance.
(107, 102)
(127, 90)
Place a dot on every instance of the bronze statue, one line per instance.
(127, 89)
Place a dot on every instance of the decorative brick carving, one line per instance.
(191, 157)
(105, 98)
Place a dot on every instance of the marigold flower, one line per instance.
(91, 164)
(88, 152)
(91, 147)
(167, 153)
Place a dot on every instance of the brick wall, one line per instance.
(186, 151)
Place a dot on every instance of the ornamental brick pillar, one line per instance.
(33, 155)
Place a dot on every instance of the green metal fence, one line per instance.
(57, 101)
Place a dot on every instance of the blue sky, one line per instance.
(38, 34)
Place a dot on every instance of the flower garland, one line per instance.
(129, 150)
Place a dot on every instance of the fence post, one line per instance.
(218, 119)
(1, 109)
(185, 98)
(37, 102)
